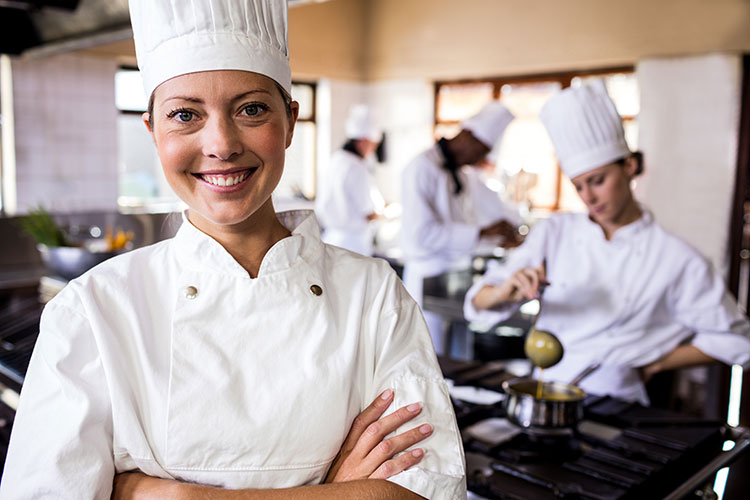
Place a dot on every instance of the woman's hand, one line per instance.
(524, 284)
(366, 455)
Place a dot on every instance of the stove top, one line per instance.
(20, 310)
(619, 451)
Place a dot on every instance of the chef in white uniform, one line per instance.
(441, 221)
(623, 291)
(348, 197)
(237, 354)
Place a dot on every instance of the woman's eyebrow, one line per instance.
(200, 101)
(250, 92)
(184, 98)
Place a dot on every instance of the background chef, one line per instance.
(236, 355)
(442, 221)
(623, 291)
(348, 197)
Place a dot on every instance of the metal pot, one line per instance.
(71, 262)
(560, 407)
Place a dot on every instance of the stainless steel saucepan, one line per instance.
(559, 407)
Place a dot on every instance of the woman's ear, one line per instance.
(632, 166)
(294, 107)
(146, 117)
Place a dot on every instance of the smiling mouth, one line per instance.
(225, 180)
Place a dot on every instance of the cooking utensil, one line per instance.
(71, 262)
(560, 407)
(542, 348)
(585, 373)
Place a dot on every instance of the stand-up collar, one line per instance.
(200, 251)
(629, 231)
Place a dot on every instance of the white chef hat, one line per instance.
(360, 124)
(489, 124)
(176, 38)
(585, 128)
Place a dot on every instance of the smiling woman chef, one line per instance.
(238, 353)
(623, 292)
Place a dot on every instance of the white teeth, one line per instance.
(217, 180)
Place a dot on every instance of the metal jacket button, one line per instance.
(316, 290)
(191, 292)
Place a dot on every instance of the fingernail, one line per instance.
(414, 407)
(425, 429)
(387, 394)
(417, 453)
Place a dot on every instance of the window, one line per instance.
(298, 180)
(525, 162)
(142, 185)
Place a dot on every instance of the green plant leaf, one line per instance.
(40, 225)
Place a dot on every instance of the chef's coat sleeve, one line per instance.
(425, 233)
(701, 302)
(530, 254)
(61, 443)
(357, 186)
(405, 361)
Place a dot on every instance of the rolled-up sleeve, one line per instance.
(406, 362)
(61, 443)
(530, 253)
(701, 302)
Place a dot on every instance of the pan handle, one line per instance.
(585, 373)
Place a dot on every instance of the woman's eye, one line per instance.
(184, 116)
(253, 109)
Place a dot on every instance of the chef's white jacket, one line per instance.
(345, 199)
(440, 229)
(172, 360)
(625, 302)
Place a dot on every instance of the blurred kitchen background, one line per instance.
(679, 72)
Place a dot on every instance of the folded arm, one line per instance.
(138, 486)
(364, 461)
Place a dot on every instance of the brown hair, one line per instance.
(639, 161)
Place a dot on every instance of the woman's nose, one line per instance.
(587, 195)
(221, 139)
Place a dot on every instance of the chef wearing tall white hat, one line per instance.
(348, 198)
(622, 291)
(243, 358)
(441, 221)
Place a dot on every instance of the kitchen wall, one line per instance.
(450, 39)
(65, 131)
(329, 39)
(689, 125)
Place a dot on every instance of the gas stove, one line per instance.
(619, 451)
(20, 310)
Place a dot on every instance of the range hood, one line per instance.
(31, 24)
(52, 26)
